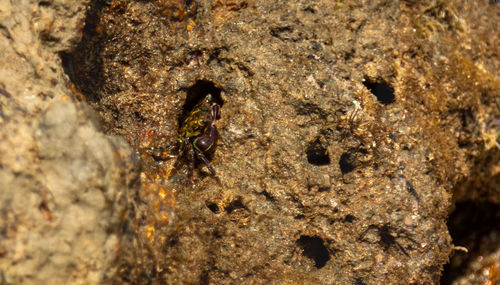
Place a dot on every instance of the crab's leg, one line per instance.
(191, 158)
(203, 158)
(162, 153)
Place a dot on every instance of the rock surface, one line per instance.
(63, 183)
(347, 132)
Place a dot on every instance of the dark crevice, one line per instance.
(82, 65)
(47, 38)
(474, 226)
(234, 205)
(147, 277)
(310, 10)
(351, 159)
(349, 218)
(313, 247)
(358, 281)
(268, 196)
(317, 154)
(388, 238)
(346, 163)
(44, 3)
(323, 189)
(205, 277)
(212, 207)
(381, 89)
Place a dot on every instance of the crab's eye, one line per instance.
(203, 143)
(208, 98)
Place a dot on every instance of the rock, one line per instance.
(347, 132)
(63, 182)
(342, 132)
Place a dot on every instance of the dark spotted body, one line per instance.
(197, 120)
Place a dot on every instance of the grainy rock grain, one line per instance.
(345, 129)
(63, 183)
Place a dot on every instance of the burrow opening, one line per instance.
(381, 89)
(350, 159)
(212, 207)
(235, 205)
(346, 163)
(314, 247)
(317, 154)
(199, 90)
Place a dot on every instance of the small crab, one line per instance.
(197, 135)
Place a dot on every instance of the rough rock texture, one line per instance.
(347, 131)
(63, 183)
(345, 128)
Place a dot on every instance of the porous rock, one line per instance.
(346, 128)
(63, 183)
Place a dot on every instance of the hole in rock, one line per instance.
(317, 153)
(234, 205)
(386, 239)
(313, 247)
(358, 281)
(212, 207)
(349, 218)
(196, 93)
(299, 217)
(383, 91)
(347, 163)
(473, 225)
(323, 189)
(351, 159)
